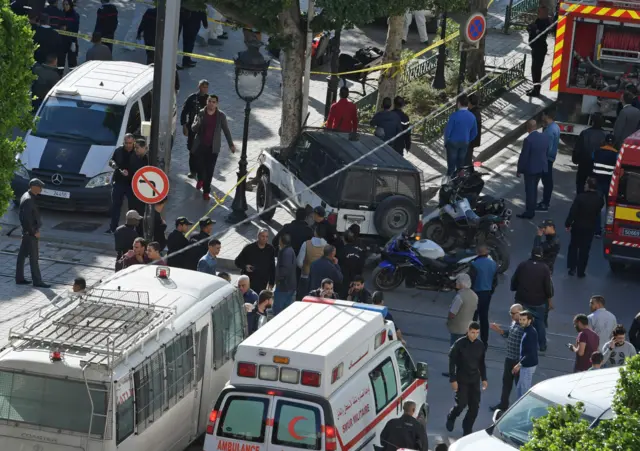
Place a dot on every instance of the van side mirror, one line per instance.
(422, 370)
(497, 414)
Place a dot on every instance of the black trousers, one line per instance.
(468, 158)
(581, 177)
(482, 313)
(109, 44)
(467, 396)
(150, 55)
(28, 248)
(537, 61)
(193, 159)
(579, 247)
(207, 164)
(189, 26)
(508, 381)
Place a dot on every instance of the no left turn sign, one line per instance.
(150, 184)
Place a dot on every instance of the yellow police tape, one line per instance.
(220, 201)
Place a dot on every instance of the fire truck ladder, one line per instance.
(101, 325)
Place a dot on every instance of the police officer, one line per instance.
(588, 142)
(405, 432)
(194, 103)
(202, 237)
(56, 16)
(538, 48)
(47, 39)
(581, 222)
(604, 163)
(31, 224)
(550, 245)
(125, 234)
(107, 22)
(176, 241)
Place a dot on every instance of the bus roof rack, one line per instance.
(104, 323)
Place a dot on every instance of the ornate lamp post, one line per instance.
(251, 75)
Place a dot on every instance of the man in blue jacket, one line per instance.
(552, 132)
(532, 164)
(461, 129)
(484, 280)
(325, 268)
(528, 354)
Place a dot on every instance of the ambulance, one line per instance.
(621, 240)
(322, 375)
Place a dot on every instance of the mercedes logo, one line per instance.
(56, 179)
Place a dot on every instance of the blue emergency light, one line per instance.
(370, 307)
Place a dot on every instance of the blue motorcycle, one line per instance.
(422, 264)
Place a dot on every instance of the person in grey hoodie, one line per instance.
(310, 251)
(285, 291)
(388, 124)
(616, 350)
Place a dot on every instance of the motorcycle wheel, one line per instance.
(385, 279)
(499, 253)
(435, 231)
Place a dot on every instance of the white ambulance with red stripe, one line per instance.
(322, 375)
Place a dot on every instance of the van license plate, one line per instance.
(56, 193)
(631, 232)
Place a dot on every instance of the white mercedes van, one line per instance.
(80, 123)
(595, 389)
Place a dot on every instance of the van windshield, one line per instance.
(629, 187)
(95, 123)
(51, 402)
(515, 425)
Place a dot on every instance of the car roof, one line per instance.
(340, 147)
(594, 388)
(113, 82)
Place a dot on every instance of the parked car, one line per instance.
(380, 192)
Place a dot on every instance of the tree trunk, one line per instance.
(387, 83)
(292, 75)
(475, 58)
(332, 87)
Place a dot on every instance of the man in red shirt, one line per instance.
(586, 343)
(343, 115)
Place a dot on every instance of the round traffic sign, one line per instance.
(150, 184)
(475, 28)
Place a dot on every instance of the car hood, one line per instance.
(480, 441)
(75, 157)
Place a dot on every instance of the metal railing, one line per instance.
(520, 14)
(504, 80)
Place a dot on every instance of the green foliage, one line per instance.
(563, 429)
(16, 60)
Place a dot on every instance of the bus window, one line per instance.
(179, 362)
(244, 418)
(148, 380)
(229, 328)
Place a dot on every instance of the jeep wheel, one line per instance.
(264, 198)
(395, 215)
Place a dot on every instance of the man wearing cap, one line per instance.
(319, 218)
(176, 241)
(194, 103)
(202, 238)
(127, 233)
(31, 223)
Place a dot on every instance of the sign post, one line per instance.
(151, 186)
(473, 31)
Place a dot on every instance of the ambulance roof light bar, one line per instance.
(372, 308)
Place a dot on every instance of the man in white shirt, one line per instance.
(601, 320)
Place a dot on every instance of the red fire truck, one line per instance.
(596, 56)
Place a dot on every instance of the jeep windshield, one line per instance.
(95, 123)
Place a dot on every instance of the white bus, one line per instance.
(132, 365)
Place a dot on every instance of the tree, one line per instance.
(388, 81)
(563, 429)
(16, 60)
(475, 58)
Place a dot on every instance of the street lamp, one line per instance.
(251, 75)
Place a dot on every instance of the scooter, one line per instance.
(422, 264)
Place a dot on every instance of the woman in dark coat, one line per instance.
(474, 107)
(69, 44)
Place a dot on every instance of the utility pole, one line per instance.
(164, 94)
(307, 60)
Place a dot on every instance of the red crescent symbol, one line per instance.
(292, 428)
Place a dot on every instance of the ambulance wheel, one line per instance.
(264, 198)
(616, 267)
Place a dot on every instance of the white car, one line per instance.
(595, 389)
(381, 193)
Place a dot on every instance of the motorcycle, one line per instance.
(456, 225)
(468, 184)
(423, 265)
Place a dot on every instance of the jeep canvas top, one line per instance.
(380, 192)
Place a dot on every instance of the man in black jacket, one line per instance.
(286, 280)
(121, 181)
(107, 21)
(138, 159)
(48, 76)
(298, 230)
(56, 16)
(534, 291)
(538, 35)
(588, 142)
(194, 103)
(31, 223)
(147, 30)
(581, 222)
(125, 234)
(176, 241)
(466, 370)
(474, 107)
(258, 261)
(405, 432)
(202, 237)
(550, 245)
(47, 39)
(398, 104)
(159, 224)
(352, 259)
